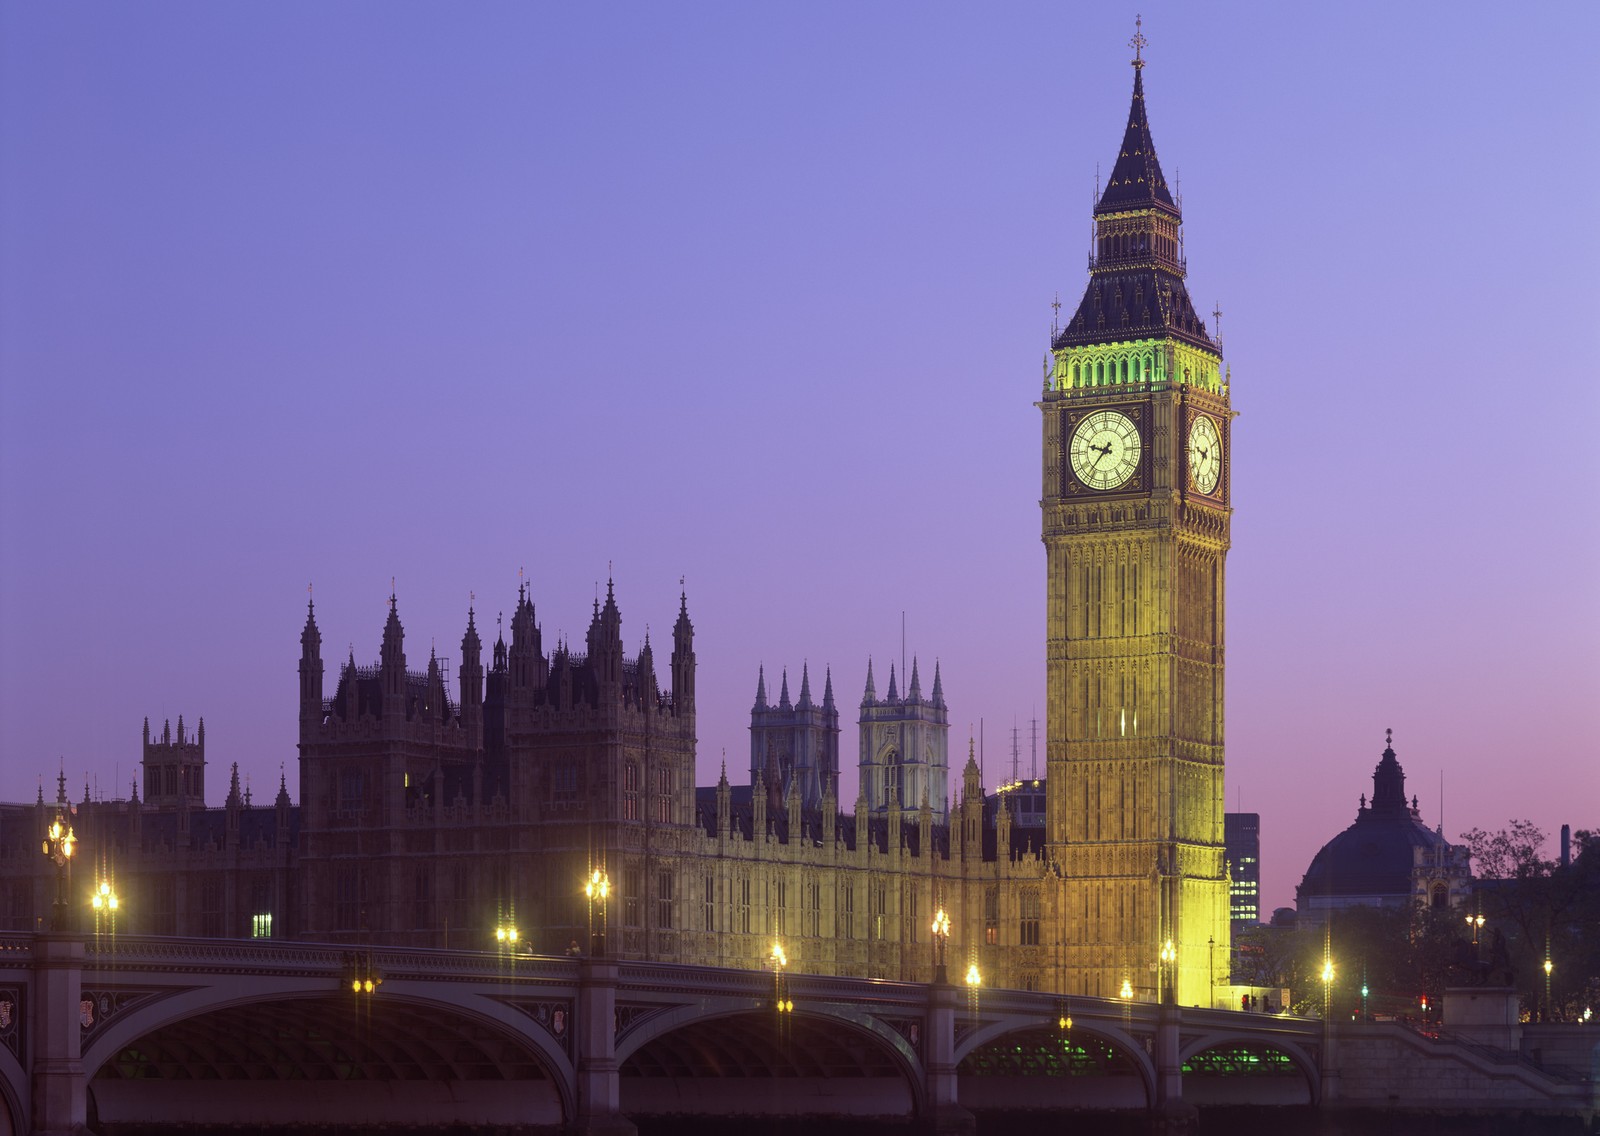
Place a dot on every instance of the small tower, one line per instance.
(796, 742)
(683, 661)
(471, 675)
(904, 747)
(175, 768)
(310, 671)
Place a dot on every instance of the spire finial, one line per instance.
(1138, 42)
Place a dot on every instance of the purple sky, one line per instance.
(758, 295)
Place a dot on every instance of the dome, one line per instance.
(1375, 859)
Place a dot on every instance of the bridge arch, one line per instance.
(1235, 1068)
(13, 1094)
(408, 1053)
(1024, 1062)
(824, 1058)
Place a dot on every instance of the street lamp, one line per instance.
(59, 844)
(1127, 990)
(506, 935)
(1476, 923)
(597, 887)
(941, 932)
(1327, 987)
(360, 975)
(1549, 1008)
(779, 960)
(104, 902)
(1169, 955)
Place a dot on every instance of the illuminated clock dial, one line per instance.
(1205, 453)
(1105, 449)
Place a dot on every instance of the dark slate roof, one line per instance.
(1139, 302)
(1375, 855)
(1136, 180)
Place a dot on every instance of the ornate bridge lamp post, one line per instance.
(1475, 922)
(505, 936)
(1327, 988)
(597, 888)
(941, 933)
(104, 901)
(1167, 975)
(361, 977)
(779, 960)
(59, 844)
(1549, 1008)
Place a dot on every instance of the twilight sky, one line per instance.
(758, 295)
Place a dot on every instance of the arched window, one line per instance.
(1441, 896)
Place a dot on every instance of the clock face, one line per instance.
(1205, 454)
(1105, 449)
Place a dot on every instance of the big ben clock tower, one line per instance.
(1136, 511)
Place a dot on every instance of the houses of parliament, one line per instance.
(435, 810)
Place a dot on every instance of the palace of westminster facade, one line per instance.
(430, 821)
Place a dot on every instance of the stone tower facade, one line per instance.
(175, 767)
(794, 747)
(1136, 511)
(904, 757)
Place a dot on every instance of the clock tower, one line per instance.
(1137, 463)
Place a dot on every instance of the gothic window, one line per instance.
(908, 917)
(632, 885)
(663, 796)
(347, 900)
(709, 909)
(1028, 928)
(630, 791)
(352, 790)
(664, 900)
(811, 916)
(422, 897)
(164, 906)
(991, 916)
(1441, 896)
(878, 901)
(781, 910)
(744, 904)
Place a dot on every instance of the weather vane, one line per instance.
(1138, 42)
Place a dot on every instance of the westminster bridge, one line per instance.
(163, 1033)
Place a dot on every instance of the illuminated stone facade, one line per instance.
(1136, 530)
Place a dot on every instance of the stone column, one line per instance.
(947, 1114)
(60, 1103)
(1173, 1115)
(595, 1035)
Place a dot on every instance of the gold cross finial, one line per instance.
(1056, 304)
(1138, 42)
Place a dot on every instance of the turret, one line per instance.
(471, 677)
(870, 695)
(648, 693)
(683, 660)
(761, 688)
(914, 694)
(805, 688)
(724, 803)
(526, 659)
(938, 687)
(783, 696)
(605, 643)
(893, 695)
(310, 671)
(392, 663)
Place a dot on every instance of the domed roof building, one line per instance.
(1387, 858)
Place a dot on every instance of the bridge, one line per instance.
(165, 1032)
